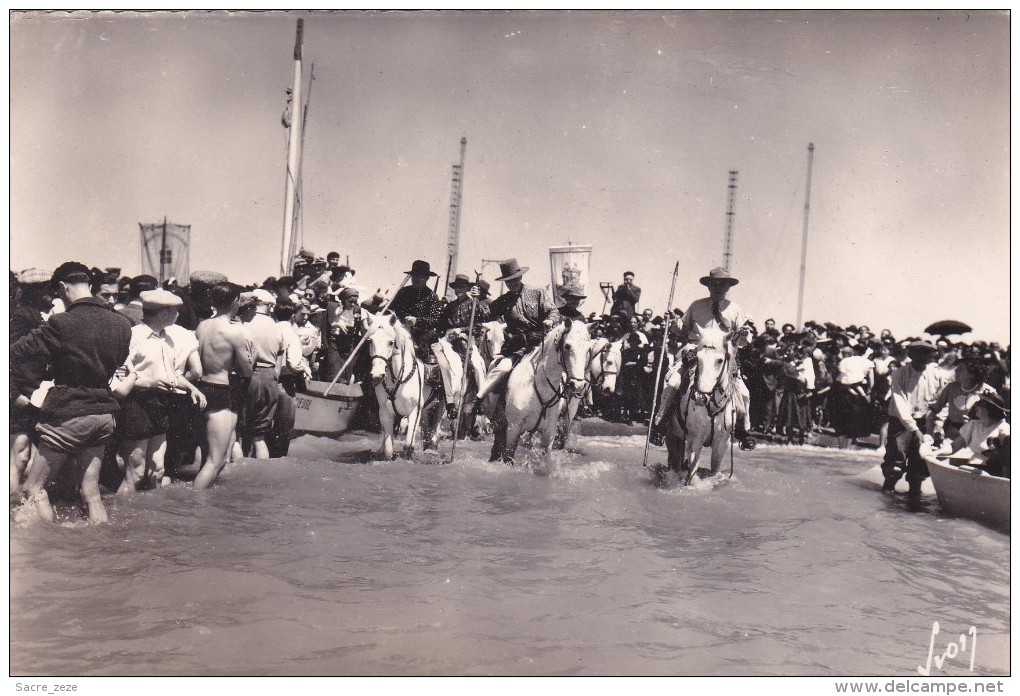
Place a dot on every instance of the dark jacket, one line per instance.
(85, 345)
(625, 300)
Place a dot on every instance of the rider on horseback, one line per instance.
(453, 325)
(714, 310)
(528, 312)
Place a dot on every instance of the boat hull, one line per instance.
(326, 415)
(965, 491)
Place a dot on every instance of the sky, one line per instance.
(612, 129)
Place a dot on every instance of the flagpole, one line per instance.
(803, 246)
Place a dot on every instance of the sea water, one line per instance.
(328, 563)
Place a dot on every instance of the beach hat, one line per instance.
(572, 290)
(719, 273)
(919, 343)
(30, 276)
(994, 400)
(420, 268)
(159, 299)
(208, 278)
(483, 287)
(510, 269)
(263, 296)
(461, 281)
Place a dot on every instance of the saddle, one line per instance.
(433, 374)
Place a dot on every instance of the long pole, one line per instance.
(803, 246)
(162, 253)
(662, 359)
(467, 366)
(354, 353)
(294, 155)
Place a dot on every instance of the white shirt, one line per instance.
(854, 369)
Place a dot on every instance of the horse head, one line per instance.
(604, 363)
(573, 344)
(383, 331)
(713, 360)
(492, 338)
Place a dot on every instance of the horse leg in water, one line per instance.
(675, 443)
(548, 429)
(721, 436)
(386, 423)
(499, 428)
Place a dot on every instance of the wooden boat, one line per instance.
(967, 491)
(326, 415)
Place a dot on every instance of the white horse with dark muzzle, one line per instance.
(539, 384)
(705, 412)
(604, 360)
(399, 379)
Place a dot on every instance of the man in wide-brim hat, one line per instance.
(529, 313)
(572, 296)
(914, 389)
(419, 308)
(450, 350)
(719, 312)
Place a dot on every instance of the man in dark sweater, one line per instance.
(85, 345)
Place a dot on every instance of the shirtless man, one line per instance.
(226, 369)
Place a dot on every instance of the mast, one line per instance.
(293, 158)
(298, 234)
(803, 247)
(728, 238)
(456, 192)
(162, 253)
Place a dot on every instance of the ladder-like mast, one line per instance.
(730, 204)
(456, 193)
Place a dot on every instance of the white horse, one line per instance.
(399, 378)
(704, 414)
(604, 360)
(538, 384)
(491, 336)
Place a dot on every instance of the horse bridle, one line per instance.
(708, 398)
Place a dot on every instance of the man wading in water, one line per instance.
(227, 360)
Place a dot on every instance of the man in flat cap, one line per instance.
(85, 345)
(148, 377)
(914, 389)
(265, 394)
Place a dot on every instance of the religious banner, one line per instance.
(569, 266)
(165, 251)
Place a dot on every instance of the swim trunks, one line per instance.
(221, 397)
(143, 414)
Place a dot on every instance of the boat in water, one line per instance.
(321, 410)
(969, 492)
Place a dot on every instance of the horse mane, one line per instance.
(401, 335)
(713, 337)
